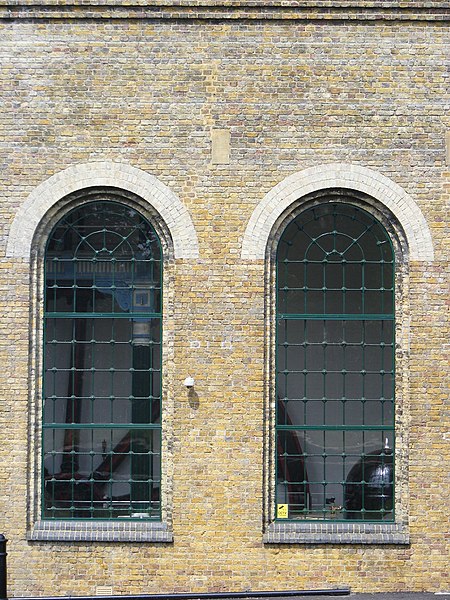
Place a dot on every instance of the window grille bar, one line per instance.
(76, 426)
(336, 317)
(106, 315)
(335, 427)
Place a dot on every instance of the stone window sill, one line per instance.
(336, 533)
(100, 531)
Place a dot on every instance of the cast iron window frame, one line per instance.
(115, 201)
(301, 531)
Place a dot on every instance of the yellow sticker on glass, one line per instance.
(282, 511)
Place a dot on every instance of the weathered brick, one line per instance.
(126, 95)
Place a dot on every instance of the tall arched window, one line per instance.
(102, 366)
(334, 366)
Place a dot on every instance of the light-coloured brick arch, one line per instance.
(100, 174)
(337, 175)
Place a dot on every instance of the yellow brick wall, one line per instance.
(292, 94)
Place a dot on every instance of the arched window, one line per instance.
(102, 366)
(334, 366)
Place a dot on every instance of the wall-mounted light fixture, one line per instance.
(189, 382)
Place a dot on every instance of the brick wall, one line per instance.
(296, 87)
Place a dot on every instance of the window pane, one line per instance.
(101, 473)
(335, 382)
(103, 257)
(102, 373)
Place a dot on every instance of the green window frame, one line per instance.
(334, 361)
(101, 432)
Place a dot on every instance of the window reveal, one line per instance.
(335, 366)
(102, 371)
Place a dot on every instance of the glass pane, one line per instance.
(334, 302)
(355, 412)
(292, 411)
(334, 274)
(314, 331)
(334, 386)
(294, 301)
(354, 300)
(333, 413)
(354, 358)
(314, 357)
(315, 410)
(314, 385)
(296, 385)
(314, 275)
(353, 276)
(335, 355)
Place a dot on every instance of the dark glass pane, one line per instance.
(333, 413)
(332, 331)
(295, 358)
(315, 253)
(315, 302)
(334, 386)
(388, 275)
(354, 386)
(314, 331)
(388, 385)
(296, 385)
(314, 276)
(354, 302)
(334, 302)
(372, 332)
(354, 332)
(315, 412)
(292, 275)
(314, 357)
(387, 411)
(334, 276)
(373, 276)
(354, 412)
(292, 411)
(353, 276)
(334, 357)
(294, 301)
(373, 302)
(314, 385)
(354, 358)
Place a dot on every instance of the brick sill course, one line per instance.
(336, 533)
(100, 531)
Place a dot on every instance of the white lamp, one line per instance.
(189, 382)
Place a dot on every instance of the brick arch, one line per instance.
(337, 175)
(95, 174)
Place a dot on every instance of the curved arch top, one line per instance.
(105, 173)
(337, 175)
